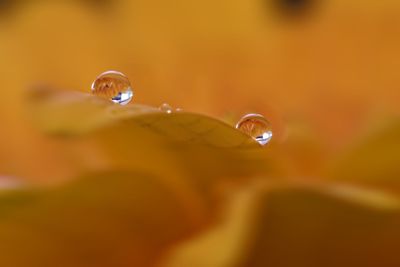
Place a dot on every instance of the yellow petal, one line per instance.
(283, 225)
(71, 113)
(107, 219)
(373, 160)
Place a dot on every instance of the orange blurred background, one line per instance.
(324, 72)
(331, 64)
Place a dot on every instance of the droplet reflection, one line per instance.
(114, 86)
(256, 126)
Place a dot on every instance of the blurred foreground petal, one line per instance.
(299, 226)
(113, 219)
(375, 160)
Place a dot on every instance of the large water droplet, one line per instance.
(113, 85)
(256, 126)
(166, 108)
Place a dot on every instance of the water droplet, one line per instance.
(166, 108)
(256, 126)
(178, 110)
(113, 85)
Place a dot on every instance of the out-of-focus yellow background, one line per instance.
(330, 65)
(324, 72)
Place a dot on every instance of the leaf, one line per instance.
(303, 225)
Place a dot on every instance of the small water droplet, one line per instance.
(113, 85)
(256, 126)
(166, 108)
(178, 110)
